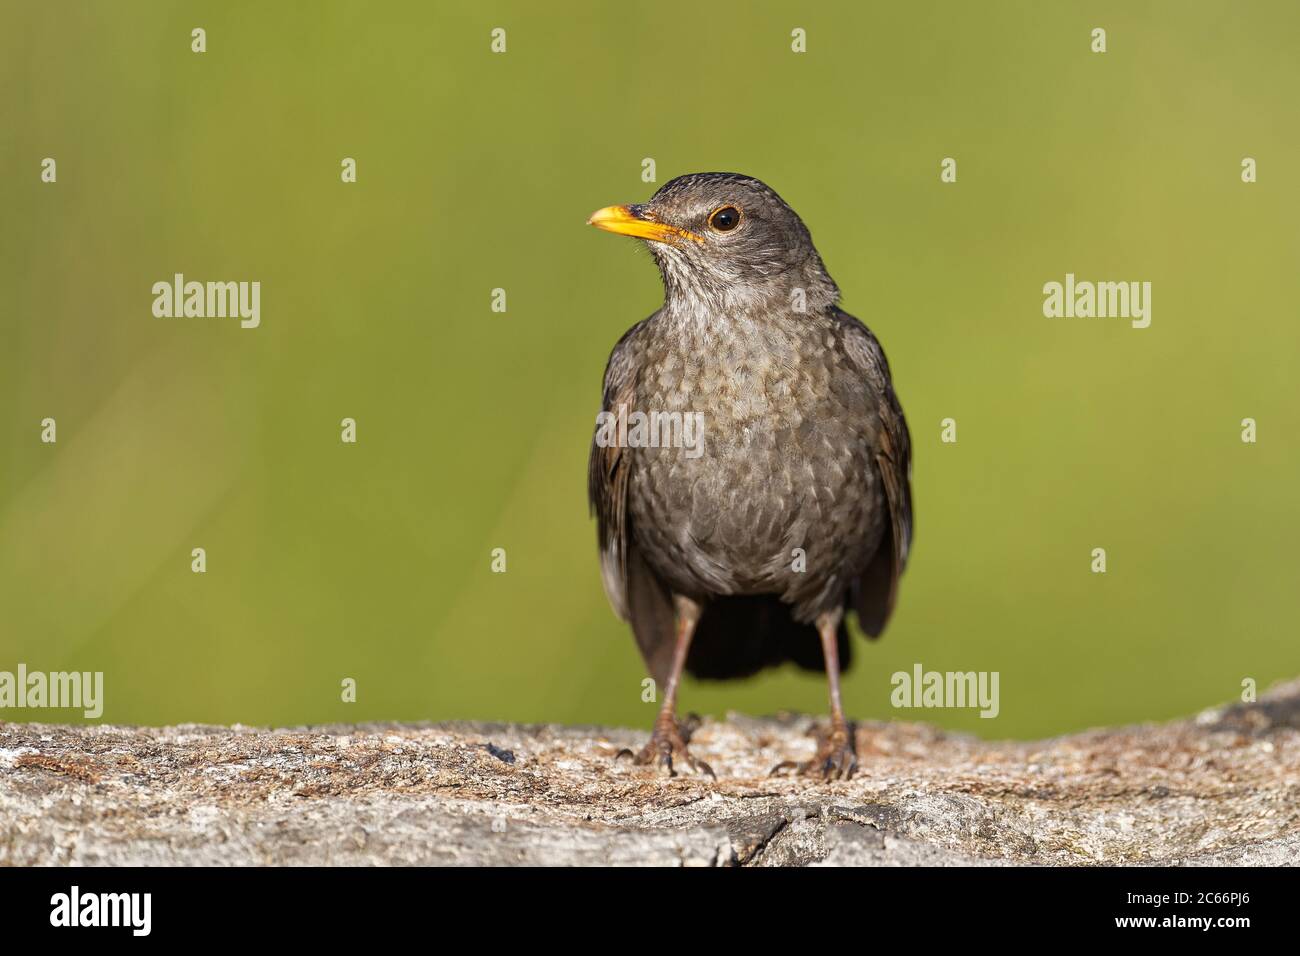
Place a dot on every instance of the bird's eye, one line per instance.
(725, 219)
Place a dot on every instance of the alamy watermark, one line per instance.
(922, 688)
(83, 690)
(75, 908)
(208, 300)
(1102, 300)
(624, 429)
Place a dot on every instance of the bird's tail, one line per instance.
(741, 635)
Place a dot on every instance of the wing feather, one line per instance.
(635, 592)
(876, 591)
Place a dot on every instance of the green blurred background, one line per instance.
(477, 171)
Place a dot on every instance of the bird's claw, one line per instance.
(667, 753)
(834, 759)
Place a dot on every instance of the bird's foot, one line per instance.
(667, 752)
(834, 759)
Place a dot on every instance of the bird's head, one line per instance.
(725, 242)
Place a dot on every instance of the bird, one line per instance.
(792, 508)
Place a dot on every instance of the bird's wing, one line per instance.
(877, 587)
(634, 590)
(607, 472)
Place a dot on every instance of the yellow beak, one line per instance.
(623, 221)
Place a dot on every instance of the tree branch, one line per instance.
(1223, 788)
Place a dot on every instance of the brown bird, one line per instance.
(764, 491)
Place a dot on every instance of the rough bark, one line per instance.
(1223, 788)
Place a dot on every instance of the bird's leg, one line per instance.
(667, 747)
(835, 756)
(834, 759)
